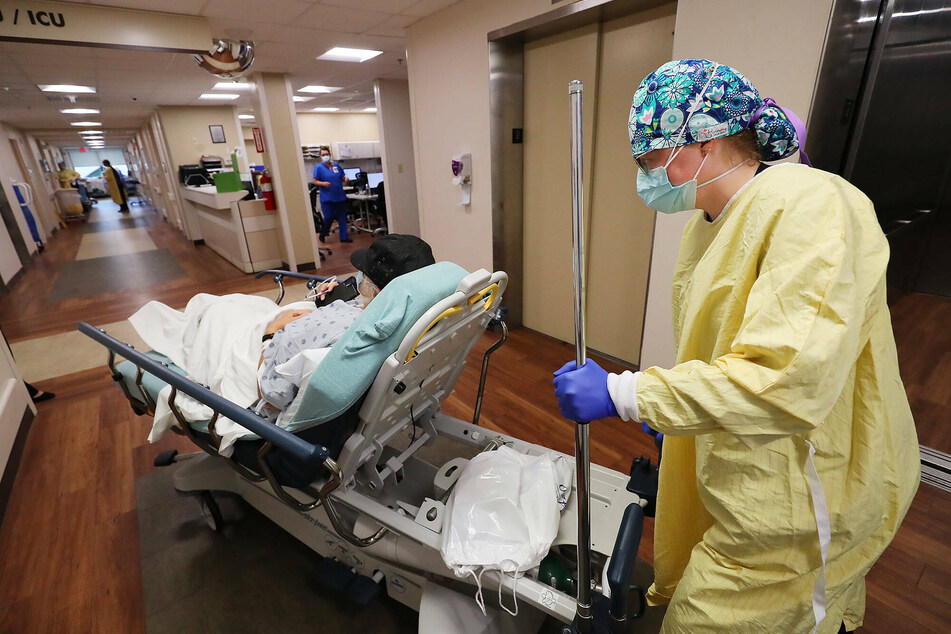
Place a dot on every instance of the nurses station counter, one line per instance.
(241, 231)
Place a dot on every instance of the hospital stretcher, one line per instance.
(375, 506)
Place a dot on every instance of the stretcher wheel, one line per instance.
(210, 511)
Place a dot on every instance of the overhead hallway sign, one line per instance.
(102, 27)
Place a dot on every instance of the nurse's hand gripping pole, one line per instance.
(583, 617)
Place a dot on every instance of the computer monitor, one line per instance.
(187, 171)
(374, 179)
(352, 173)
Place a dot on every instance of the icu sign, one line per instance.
(41, 18)
(82, 25)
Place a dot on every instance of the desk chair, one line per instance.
(378, 208)
(318, 220)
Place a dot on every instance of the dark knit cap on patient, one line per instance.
(391, 256)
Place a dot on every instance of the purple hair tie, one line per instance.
(797, 123)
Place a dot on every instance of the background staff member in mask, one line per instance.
(329, 177)
(790, 453)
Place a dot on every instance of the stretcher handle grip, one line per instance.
(300, 276)
(299, 449)
(312, 280)
(622, 559)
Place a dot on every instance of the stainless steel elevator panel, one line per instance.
(836, 100)
(880, 118)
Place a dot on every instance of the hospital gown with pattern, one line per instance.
(784, 344)
(320, 329)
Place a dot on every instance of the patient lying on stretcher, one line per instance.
(255, 353)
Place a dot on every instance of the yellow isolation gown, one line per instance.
(784, 344)
(116, 190)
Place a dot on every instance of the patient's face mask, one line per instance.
(368, 289)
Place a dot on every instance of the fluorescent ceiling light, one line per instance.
(232, 85)
(319, 89)
(80, 111)
(85, 124)
(245, 116)
(93, 132)
(340, 54)
(224, 96)
(369, 109)
(325, 109)
(65, 88)
(299, 99)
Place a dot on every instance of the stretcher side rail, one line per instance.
(279, 275)
(296, 447)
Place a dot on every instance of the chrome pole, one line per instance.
(582, 457)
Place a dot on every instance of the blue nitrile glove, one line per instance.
(650, 431)
(583, 393)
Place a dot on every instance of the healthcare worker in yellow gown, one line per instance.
(116, 185)
(790, 454)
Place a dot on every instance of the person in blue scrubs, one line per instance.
(329, 177)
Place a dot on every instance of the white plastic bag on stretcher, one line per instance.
(503, 515)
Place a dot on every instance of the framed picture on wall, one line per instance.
(217, 133)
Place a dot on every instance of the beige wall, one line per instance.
(187, 135)
(399, 164)
(254, 157)
(328, 128)
(271, 94)
(10, 172)
(448, 56)
(782, 63)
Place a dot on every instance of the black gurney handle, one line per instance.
(301, 276)
(279, 275)
(622, 562)
(299, 449)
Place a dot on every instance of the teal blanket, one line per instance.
(353, 363)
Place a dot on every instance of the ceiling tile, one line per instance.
(273, 11)
(394, 26)
(340, 20)
(384, 6)
(184, 7)
(428, 7)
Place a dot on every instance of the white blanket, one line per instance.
(217, 341)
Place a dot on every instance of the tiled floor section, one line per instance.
(85, 278)
(121, 241)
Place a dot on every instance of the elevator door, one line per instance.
(611, 58)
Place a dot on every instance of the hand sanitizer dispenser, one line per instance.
(462, 175)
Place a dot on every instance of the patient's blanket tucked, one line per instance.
(217, 341)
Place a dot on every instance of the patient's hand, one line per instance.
(281, 321)
(325, 288)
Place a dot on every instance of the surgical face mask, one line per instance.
(325, 158)
(658, 193)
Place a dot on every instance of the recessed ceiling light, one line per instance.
(232, 85)
(340, 54)
(223, 96)
(369, 109)
(80, 111)
(319, 89)
(65, 88)
(245, 116)
(299, 99)
(325, 109)
(91, 132)
(85, 124)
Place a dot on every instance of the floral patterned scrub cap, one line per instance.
(669, 110)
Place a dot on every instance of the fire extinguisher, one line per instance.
(268, 192)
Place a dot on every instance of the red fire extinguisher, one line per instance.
(268, 192)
